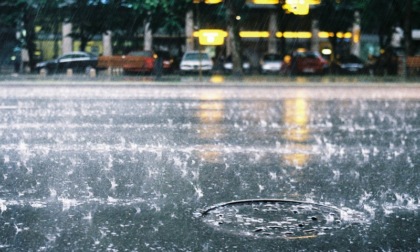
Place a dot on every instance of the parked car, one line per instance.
(77, 61)
(271, 63)
(139, 62)
(308, 62)
(348, 64)
(228, 65)
(195, 61)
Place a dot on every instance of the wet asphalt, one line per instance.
(134, 164)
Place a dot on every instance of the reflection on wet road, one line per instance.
(127, 168)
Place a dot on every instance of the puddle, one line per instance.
(279, 218)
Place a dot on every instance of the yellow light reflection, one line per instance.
(296, 119)
(210, 154)
(299, 157)
(217, 79)
(210, 114)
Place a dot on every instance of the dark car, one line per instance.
(308, 62)
(348, 64)
(77, 61)
(228, 65)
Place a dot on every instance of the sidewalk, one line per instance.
(103, 78)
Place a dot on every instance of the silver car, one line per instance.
(271, 63)
(195, 61)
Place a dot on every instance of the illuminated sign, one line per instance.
(211, 36)
(299, 7)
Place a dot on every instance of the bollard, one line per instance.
(69, 72)
(43, 72)
(92, 73)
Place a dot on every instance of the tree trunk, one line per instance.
(148, 38)
(189, 29)
(56, 35)
(272, 40)
(67, 46)
(29, 38)
(355, 44)
(83, 40)
(315, 37)
(107, 43)
(232, 7)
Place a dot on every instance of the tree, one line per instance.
(233, 9)
(379, 17)
(335, 16)
(49, 17)
(88, 18)
(21, 15)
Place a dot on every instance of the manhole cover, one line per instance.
(278, 218)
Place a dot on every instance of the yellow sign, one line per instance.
(211, 37)
(299, 7)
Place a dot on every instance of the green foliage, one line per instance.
(335, 16)
(126, 18)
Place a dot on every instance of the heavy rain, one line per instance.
(214, 125)
(124, 168)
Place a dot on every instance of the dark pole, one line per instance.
(200, 72)
(407, 26)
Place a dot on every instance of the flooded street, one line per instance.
(209, 168)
